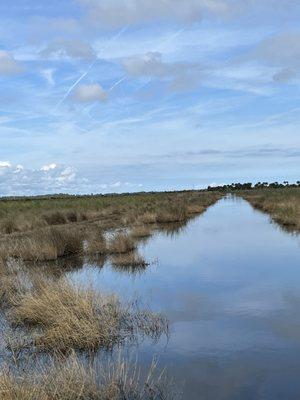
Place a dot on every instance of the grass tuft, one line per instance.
(121, 243)
(74, 379)
(141, 231)
(61, 316)
(129, 260)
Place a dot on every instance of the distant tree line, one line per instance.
(249, 186)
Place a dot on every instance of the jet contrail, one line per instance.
(156, 49)
(117, 83)
(89, 68)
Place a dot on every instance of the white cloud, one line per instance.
(66, 175)
(181, 75)
(281, 52)
(8, 65)
(48, 75)
(89, 93)
(5, 164)
(16, 180)
(49, 167)
(114, 13)
(52, 178)
(62, 48)
(19, 168)
(146, 64)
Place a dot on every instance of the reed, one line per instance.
(74, 379)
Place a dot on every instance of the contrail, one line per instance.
(156, 49)
(117, 83)
(89, 68)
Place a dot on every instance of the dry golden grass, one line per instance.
(14, 281)
(129, 260)
(42, 245)
(96, 243)
(174, 213)
(73, 379)
(140, 231)
(283, 205)
(148, 218)
(195, 209)
(121, 243)
(25, 223)
(60, 317)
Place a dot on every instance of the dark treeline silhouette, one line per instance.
(249, 186)
(62, 196)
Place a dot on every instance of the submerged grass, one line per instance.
(129, 260)
(60, 316)
(73, 379)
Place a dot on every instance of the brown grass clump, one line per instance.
(132, 260)
(195, 209)
(13, 282)
(55, 218)
(141, 231)
(72, 216)
(96, 243)
(61, 317)
(13, 224)
(121, 243)
(172, 214)
(72, 379)
(46, 244)
(148, 218)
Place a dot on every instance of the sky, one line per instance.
(100, 96)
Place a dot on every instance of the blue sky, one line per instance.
(130, 95)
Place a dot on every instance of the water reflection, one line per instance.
(229, 282)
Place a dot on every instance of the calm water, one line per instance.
(230, 285)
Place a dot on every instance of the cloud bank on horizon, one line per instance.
(126, 95)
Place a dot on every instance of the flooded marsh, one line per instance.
(213, 299)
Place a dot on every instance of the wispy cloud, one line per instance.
(8, 65)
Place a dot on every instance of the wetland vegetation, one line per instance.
(60, 337)
(47, 315)
(40, 229)
(282, 204)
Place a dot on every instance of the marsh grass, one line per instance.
(121, 243)
(174, 213)
(96, 243)
(130, 262)
(14, 281)
(59, 316)
(27, 224)
(283, 205)
(148, 218)
(43, 245)
(141, 231)
(55, 218)
(74, 379)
